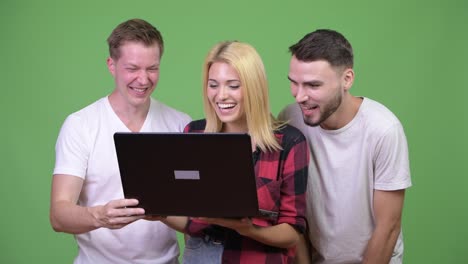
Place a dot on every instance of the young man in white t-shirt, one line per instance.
(359, 167)
(87, 197)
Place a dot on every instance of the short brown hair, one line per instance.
(324, 44)
(135, 30)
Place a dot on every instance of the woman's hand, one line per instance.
(242, 226)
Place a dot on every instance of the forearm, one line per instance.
(176, 222)
(70, 218)
(282, 235)
(388, 206)
(382, 244)
(302, 251)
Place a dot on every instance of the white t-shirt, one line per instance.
(346, 166)
(85, 148)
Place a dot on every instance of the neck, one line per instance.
(239, 127)
(132, 116)
(344, 114)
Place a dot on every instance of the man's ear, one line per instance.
(348, 78)
(111, 65)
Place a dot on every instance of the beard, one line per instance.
(328, 109)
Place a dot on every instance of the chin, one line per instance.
(140, 100)
(311, 123)
(226, 120)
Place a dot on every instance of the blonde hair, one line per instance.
(249, 66)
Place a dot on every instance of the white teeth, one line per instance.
(310, 107)
(139, 90)
(224, 106)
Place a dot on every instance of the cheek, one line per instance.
(238, 95)
(211, 94)
(331, 93)
(293, 90)
(125, 76)
(154, 76)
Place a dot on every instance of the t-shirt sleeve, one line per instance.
(71, 150)
(392, 170)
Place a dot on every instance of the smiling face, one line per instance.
(136, 74)
(319, 90)
(224, 92)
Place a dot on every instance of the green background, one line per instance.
(410, 55)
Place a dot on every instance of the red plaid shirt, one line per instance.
(281, 186)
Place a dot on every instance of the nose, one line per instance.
(301, 95)
(222, 94)
(143, 78)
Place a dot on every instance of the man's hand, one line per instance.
(116, 214)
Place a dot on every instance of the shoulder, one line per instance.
(79, 128)
(377, 111)
(288, 130)
(377, 117)
(196, 126)
(291, 111)
(87, 114)
(93, 107)
(289, 135)
(292, 115)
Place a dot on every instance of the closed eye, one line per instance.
(313, 85)
(212, 84)
(291, 80)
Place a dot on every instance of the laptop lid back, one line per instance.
(190, 174)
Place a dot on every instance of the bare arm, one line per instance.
(281, 235)
(388, 206)
(176, 222)
(67, 216)
(302, 251)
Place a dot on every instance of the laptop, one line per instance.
(189, 174)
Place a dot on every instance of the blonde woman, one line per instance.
(236, 100)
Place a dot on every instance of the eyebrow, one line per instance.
(137, 66)
(233, 80)
(289, 78)
(313, 82)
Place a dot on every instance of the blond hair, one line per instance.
(249, 66)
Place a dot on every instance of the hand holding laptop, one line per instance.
(117, 213)
(241, 225)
